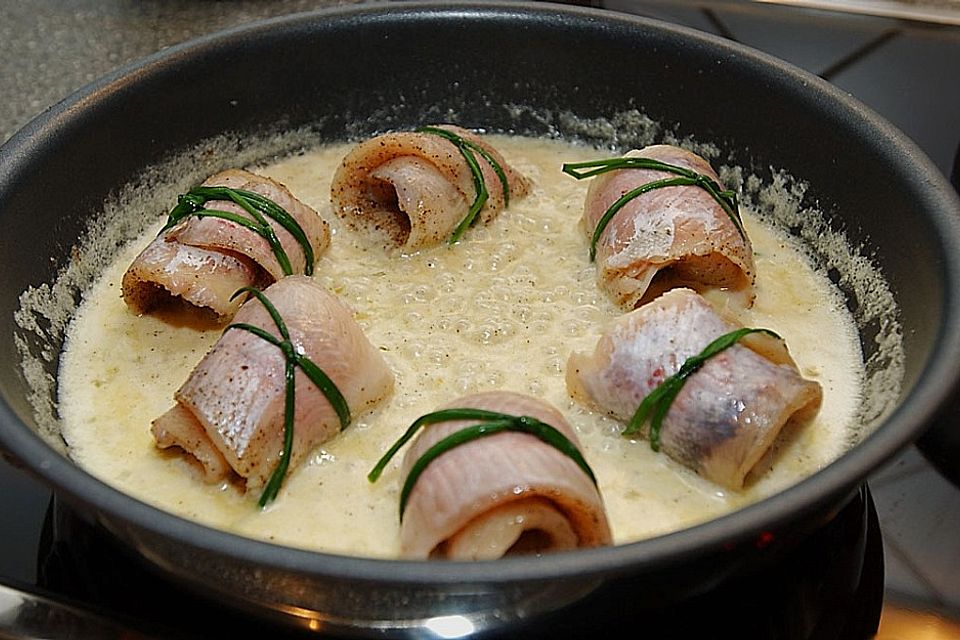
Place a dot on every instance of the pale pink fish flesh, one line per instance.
(204, 261)
(501, 494)
(728, 413)
(676, 236)
(235, 395)
(167, 271)
(409, 190)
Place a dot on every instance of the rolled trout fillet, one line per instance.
(672, 236)
(727, 414)
(503, 494)
(204, 260)
(229, 414)
(411, 189)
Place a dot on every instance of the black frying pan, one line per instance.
(349, 72)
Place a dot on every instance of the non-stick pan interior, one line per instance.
(526, 68)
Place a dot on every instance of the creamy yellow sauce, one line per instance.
(503, 309)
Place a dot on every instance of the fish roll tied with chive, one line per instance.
(236, 230)
(408, 190)
(711, 395)
(659, 218)
(233, 416)
(495, 474)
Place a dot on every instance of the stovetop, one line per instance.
(906, 69)
(830, 587)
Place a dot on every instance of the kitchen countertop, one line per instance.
(897, 66)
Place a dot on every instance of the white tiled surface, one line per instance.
(919, 513)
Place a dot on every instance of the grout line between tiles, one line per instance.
(718, 24)
(861, 53)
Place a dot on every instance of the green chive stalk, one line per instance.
(467, 150)
(490, 422)
(655, 406)
(192, 204)
(293, 359)
(685, 177)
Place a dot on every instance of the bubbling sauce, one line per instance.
(502, 309)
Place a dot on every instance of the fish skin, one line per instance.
(512, 472)
(205, 260)
(408, 190)
(237, 392)
(728, 413)
(667, 237)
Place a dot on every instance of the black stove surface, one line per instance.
(830, 587)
